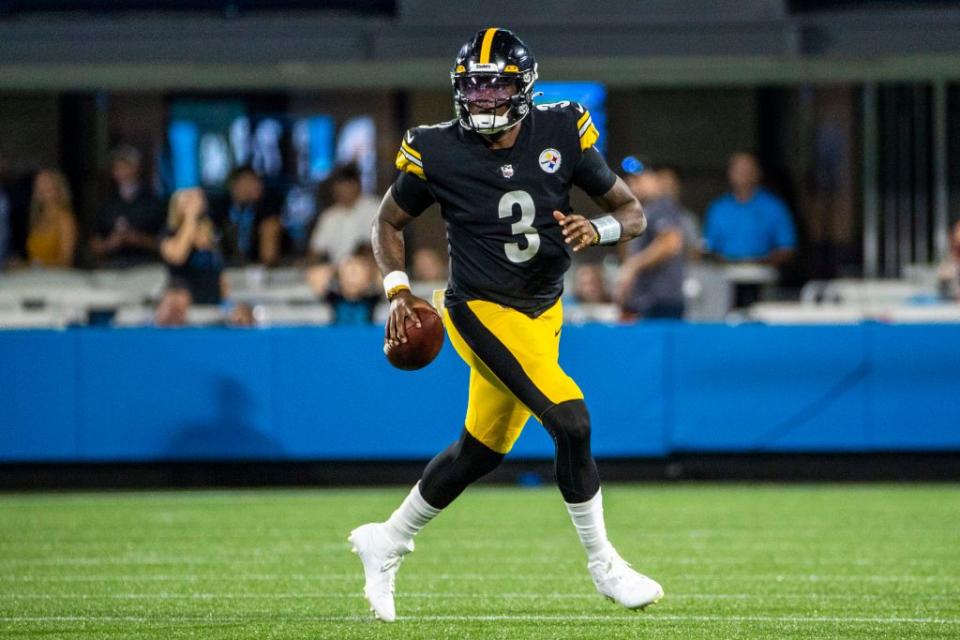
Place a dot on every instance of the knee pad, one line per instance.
(569, 418)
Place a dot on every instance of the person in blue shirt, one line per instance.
(749, 224)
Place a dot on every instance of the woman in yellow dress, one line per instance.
(52, 240)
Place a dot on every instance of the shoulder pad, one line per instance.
(586, 132)
(409, 159)
(410, 155)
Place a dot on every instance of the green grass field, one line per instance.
(737, 561)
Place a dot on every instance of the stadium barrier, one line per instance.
(653, 389)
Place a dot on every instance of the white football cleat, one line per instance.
(381, 558)
(616, 580)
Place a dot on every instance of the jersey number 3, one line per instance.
(523, 226)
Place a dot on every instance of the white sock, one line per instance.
(588, 521)
(411, 516)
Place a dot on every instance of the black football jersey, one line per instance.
(505, 245)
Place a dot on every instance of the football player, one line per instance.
(502, 172)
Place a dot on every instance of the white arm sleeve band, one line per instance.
(608, 228)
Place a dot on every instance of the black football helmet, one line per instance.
(493, 69)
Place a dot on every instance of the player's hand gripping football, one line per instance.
(577, 230)
(403, 306)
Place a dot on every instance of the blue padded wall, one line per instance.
(328, 393)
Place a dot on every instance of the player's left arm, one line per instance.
(623, 210)
(624, 220)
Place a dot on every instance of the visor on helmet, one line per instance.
(487, 91)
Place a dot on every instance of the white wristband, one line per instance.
(608, 229)
(394, 282)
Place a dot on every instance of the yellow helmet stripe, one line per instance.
(486, 45)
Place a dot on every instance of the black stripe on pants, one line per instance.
(498, 358)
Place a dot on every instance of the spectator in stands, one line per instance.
(319, 275)
(173, 307)
(428, 266)
(191, 248)
(354, 294)
(240, 315)
(52, 236)
(589, 286)
(589, 298)
(129, 225)
(949, 272)
(650, 281)
(249, 221)
(671, 183)
(345, 224)
(749, 224)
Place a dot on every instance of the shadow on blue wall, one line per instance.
(229, 435)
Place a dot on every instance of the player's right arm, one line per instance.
(388, 249)
(405, 200)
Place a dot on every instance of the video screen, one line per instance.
(293, 153)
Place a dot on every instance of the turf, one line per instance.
(737, 561)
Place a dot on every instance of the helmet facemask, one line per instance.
(490, 103)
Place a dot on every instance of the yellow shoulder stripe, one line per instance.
(406, 162)
(589, 137)
(406, 147)
(486, 45)
(586, 131)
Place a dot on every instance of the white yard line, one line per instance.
(269, 556)
(451, 596)
(481, 577)
(651, 618)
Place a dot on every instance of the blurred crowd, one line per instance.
(198, 235)
(749, 224)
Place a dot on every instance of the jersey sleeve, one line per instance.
(592, 174)
(587, 133)
(409, 159)
(411, 193)
(410, 190)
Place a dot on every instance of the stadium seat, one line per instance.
(270, 315)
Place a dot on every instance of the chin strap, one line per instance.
(495, 128)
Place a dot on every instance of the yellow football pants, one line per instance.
(514, 367)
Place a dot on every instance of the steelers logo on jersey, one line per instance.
(550, 160)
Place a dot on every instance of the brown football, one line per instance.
(422, 344)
